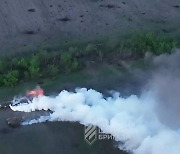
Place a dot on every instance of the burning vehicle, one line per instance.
(16, 121)
(38, 91)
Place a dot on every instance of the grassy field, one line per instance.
(71, 62)
(101, 77)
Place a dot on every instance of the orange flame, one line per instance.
(36, 92)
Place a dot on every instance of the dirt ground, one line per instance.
(30, 24)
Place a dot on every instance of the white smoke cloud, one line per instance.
(130, 120)
(142, 123)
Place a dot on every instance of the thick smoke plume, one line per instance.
(146, 124)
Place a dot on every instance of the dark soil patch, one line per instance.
(65, 19)
(109, 6)
(29, 32)
(124, 3)
(176, 6)
(31, 10)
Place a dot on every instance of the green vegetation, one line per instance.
(43, 64)
(11, 78)
(52, 71)
(39, 65)
(69, 61)
(140, 44)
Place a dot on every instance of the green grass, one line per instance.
(63, 79)
(140, 64)
(7, 93)
(49, 85)
(109, 69)
(149, 42)
(43, 64)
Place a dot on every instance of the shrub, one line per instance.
(11, 78)
(74, 65)
(42, 56)
(35, 60)
(52, 70)
(73, 50)
(34, 67)
(90, 48)
(23, 63)
(140, 44)
(34, 71)
(165, 45)
(15, 61)
(68, 62)
(66, 57)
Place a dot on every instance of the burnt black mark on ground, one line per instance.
(176, 6)
(124, 3)
(29, 32)
(109, 6)
(31, 10)
(65, 19)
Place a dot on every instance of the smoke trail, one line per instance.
(146, 124)
(131, 120)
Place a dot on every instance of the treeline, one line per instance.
(39, 65)
(49, 64)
